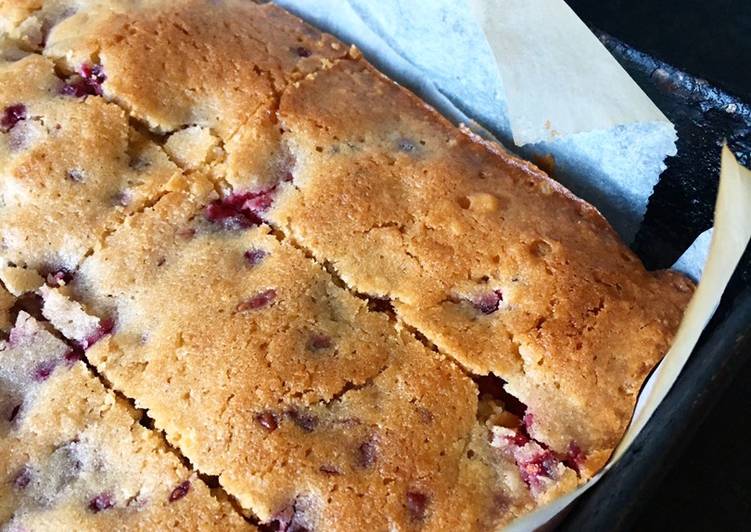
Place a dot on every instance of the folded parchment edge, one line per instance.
(552, 67)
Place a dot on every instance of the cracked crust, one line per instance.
(242, 55)
(492, 261)
(71, 170)
(305, 404)
(75, 457)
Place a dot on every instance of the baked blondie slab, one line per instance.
(312, 410)
(225, 334)
(74, 457)
(491, 260)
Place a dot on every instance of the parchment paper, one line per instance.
(692, 261)
(612, 157)
(568, 83)
(568, 98)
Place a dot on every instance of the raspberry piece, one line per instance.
(519, 439)
(225, 213)
(180, 491)
(87, 82)
(575, 457)
(12, 115)
(254, 256)
(43, 370)
(267, 420)
(543, 464)
(528, 420)
(417, 504)
(257, 301)
(283, 519)
(59, 277)
(291, 518)
(536, 462)
(230, 212)
(489, 302)
(260, 203)
(286, 165)
(105, 327)
(75, 87)
(103, 501)
(93, 73)
(75, 175)
(307, 422)
(406, 145)
(74, 355)
(367, 454)
(15, 335)
(241, 210)
(318, 342)
(301, 51)
(122, 198)
(23, 478)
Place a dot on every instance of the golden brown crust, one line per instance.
(406, 206)
(75, 457)
(303, 403)
(481, 254)
(241, 55)
(71, 169)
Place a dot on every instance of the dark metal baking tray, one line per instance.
(680, 209)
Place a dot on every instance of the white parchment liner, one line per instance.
(568, 99)
(610, 155)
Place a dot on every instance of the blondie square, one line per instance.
(71, 166)
(74, 457)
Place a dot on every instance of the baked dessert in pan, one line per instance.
(351, 312)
